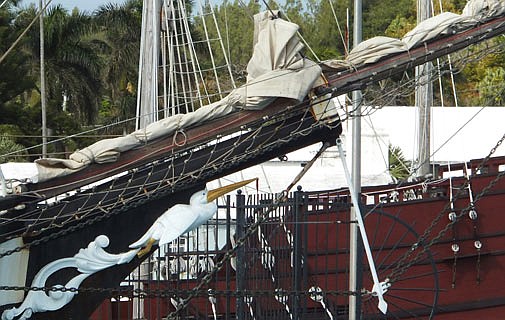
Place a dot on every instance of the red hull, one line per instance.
(438, 284)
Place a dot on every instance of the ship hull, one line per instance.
(412, 242)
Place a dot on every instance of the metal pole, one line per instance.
(228, 242)
(379, 288)
(424, 100)
(43, 82)
(354, 252)
(241, 267)
(297, 255)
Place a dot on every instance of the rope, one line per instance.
(262, 216)
(154, 181)
(380, 98)
(15, 43)
(194, 292)
(211, 53)
(3, 3)
(274, 16)
(346, 49)
(226, 53)
(402, 264)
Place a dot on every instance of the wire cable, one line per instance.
(15, 43)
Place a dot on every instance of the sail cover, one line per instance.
(374, 49)
(276, 69)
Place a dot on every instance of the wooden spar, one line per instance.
(189, 168)
(339, 82)
(345, 81)
(159, 148)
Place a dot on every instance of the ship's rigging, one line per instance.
(169, 170)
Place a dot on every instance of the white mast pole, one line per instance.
(43, 82)
(147, 100)
(354, 275)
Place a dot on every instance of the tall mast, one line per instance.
(147, 101)
(43, 82)
(424, 100)
(354, 249)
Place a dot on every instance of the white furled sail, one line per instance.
(147, 100)
(171, 78)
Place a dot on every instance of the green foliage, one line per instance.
(399, 166)
(119, 33)
(11, 84)
(10, 150)
(72, 64)
(107, 110)
(294, 11)
(400, 26)
(455, 6)
(11, 131)
(319, 27)
(378, 15)
(236, 26)
(492, 87)
(93, 58)
(22, 121)
(116, 110)
(479, 73)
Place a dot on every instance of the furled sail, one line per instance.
(276, 70)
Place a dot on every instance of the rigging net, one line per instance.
(193, 70)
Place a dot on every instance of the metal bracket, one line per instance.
(3, 184)
(379, 288)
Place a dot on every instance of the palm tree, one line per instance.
(120, 35)
(399, 166)
(11, 85)
(72, 62)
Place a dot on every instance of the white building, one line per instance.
(457, 135)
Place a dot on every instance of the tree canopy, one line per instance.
(92, 60)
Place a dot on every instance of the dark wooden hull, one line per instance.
(125, 207)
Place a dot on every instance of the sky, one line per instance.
(84, 5)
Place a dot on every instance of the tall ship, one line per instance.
(140, 227)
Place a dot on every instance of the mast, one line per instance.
(43, 82)
(354, 248)
(147, 101)
(424, 100)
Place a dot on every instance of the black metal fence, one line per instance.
(260, 258)
(265, 258)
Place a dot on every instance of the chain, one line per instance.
(88, 222)
(197, 291)
(402, 266)
(168, 293)
(182, 183)
(262, 216)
